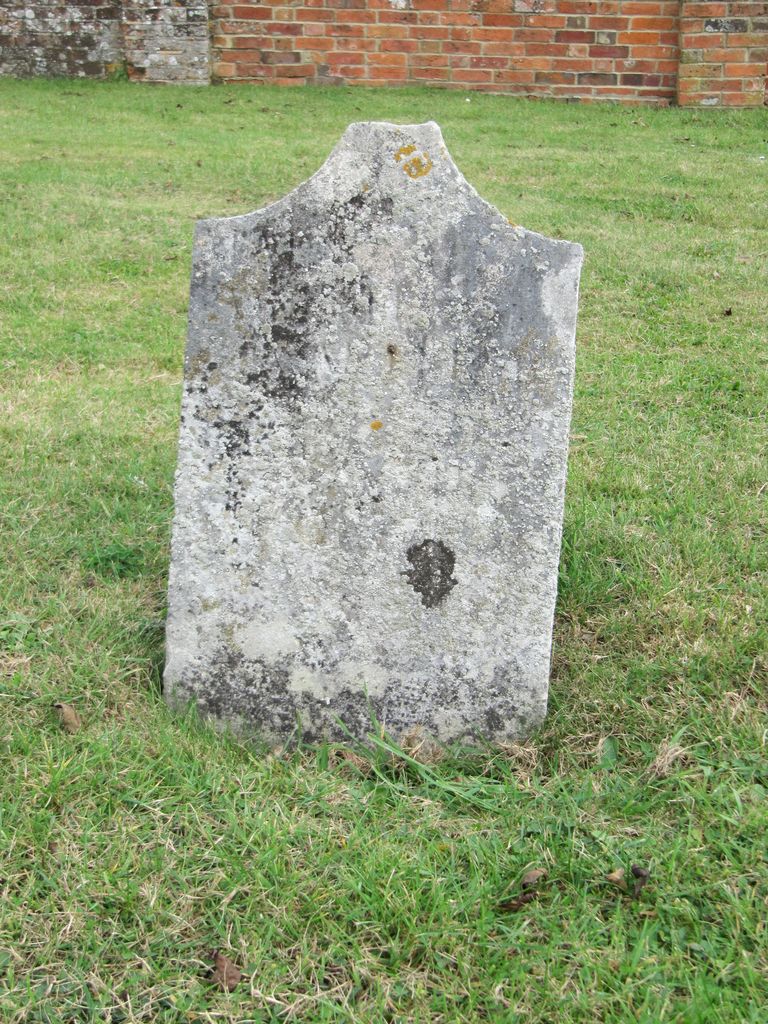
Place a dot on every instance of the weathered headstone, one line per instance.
(369, 495)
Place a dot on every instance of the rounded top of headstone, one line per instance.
(408, 165)
(404, 160)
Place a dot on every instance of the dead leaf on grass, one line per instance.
(224, 972)
(528, 884)
(530, 878)
(641, 876)
(617, 878)
(68, 717)
(511, 906)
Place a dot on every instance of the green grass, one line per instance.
(373, 890)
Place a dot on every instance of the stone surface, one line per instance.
(150, 40)
(42, 38)
(373, 448)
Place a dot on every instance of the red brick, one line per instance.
(746, 38)
(489, 62)
(555, 77)
(389, 32)
(390, 59)
(351, 71)
(314, 14)
(319, 47)
(459, 19)
(571, 64)
(574, 36)
(654, 24)
(340, 58)
(609, 51)
(638, 38)
(398, 17)
(431, 74)
(356, 17)
(502, 21)
(388, 71)
(495, 35)
(743, 70)
(251, 70)
(252, 13)
(625, 50)
(546, 21)
(546, 49)
(283, 28)
(429, 60)
(516, 76)
(251, 42)
(472, 75)
(597, 78)
(469, 48)
(295, 70)
(705, 10)
(742, 99)
(504, 49)
(426, 33)
(642, 7)
(398, 45)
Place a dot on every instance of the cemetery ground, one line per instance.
(369, 886)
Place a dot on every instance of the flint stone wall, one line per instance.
(43, 39)
(160, 41)
(372, 460)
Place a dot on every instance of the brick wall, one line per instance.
(640, 51)
(724, 54)
(160, 41)
(647, 51)
(590, 49)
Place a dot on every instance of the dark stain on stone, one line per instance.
(494, 723)
(431, 572)
(259, 694)
(235, 437)
(346, 218)
(262, 697)
(235, 441)
(278, 356)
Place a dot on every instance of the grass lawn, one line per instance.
(372, 889)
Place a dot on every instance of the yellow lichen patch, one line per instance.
(404, 151)
(417, 166)
(376, 425)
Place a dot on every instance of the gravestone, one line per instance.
(369, 494)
